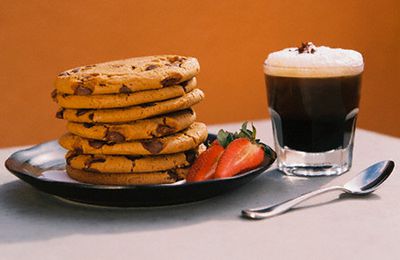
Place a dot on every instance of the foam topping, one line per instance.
(312, 61)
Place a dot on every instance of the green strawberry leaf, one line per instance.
(254, 132)
(225, 138)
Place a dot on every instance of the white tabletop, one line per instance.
(35, 225)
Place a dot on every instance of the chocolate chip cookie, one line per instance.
(128, 114)
(130, 121)
(141, 129)
(161, 177)
(127, 163)
(187, 139)
(130, 75)
(123, 99)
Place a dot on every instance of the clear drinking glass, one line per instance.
(313, 95)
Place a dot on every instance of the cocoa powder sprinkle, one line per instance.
(308, 47)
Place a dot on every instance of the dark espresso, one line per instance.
(314, 114)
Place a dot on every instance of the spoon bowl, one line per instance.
(369, 179)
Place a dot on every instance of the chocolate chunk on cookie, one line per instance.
(154, 146)
(97, 144)
(124, 89)
(60, 113)
(171, 80)
(113, 136)
(82, 90)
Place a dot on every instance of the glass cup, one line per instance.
(313, 95)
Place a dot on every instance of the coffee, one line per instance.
(313, 96)
(314, 114)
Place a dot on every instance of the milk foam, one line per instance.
(324, 62)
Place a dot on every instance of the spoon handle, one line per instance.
(279, 208)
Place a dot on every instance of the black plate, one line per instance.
(43, 166)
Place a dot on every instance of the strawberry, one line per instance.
(230, 154)
(240, 155)
(204, 166)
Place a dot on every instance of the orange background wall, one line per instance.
(38, 39)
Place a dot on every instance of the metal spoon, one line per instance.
(365, 182)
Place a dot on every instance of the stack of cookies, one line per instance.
(131, 121)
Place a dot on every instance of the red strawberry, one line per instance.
(204, 166)
(240, 155)
(230, 154)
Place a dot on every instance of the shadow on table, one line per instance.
(29, 215)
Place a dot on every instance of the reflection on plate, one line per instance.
(43, 166)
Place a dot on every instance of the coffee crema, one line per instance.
(310, 61)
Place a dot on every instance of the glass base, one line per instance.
(330, 163)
